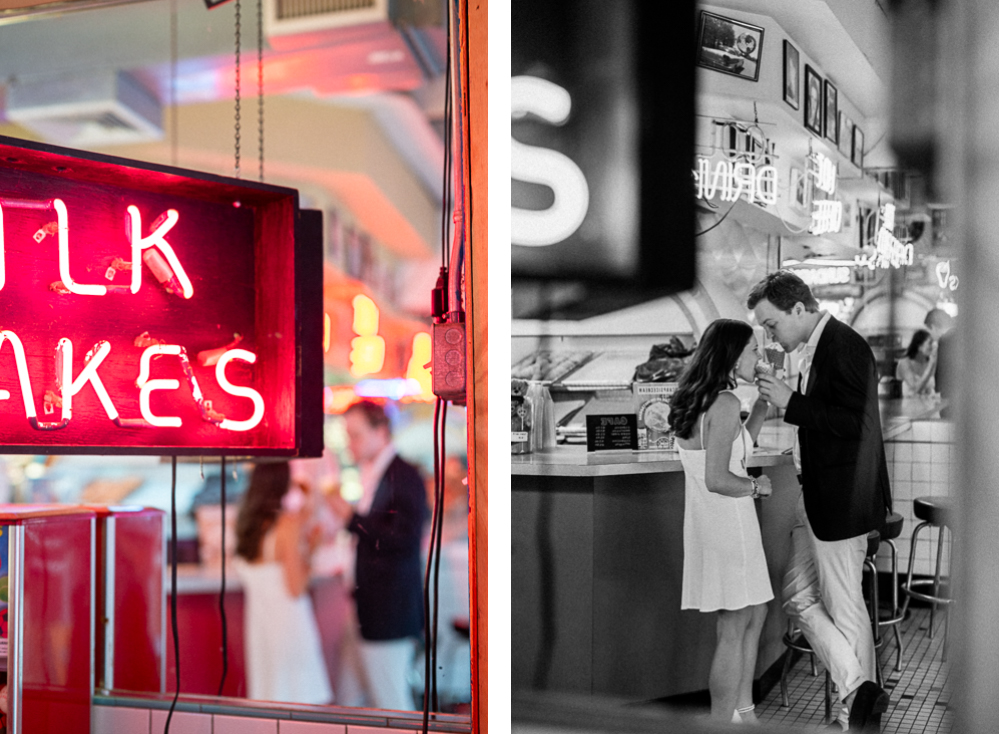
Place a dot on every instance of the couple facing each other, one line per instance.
(844, 495)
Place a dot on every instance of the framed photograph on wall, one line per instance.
(858, 148)
(730, 46)
(814, 101)
(791, 75)
(830, 106)
(845, 136)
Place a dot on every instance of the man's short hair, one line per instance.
(783, 289)
(373, 412)
(937, 318)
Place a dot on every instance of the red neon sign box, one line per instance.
(153, 310)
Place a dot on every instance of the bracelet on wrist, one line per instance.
(754, 489)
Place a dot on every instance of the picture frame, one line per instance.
(830, 111)
(845, 135)
(799, 190)
(858, 148)
(730, 46)
(813, 106)
(790, 75)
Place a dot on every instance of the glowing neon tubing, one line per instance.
(89, 374)
(156, 239)
(3, 258)
(146, 386)
(80, 289)
(25, 382)
(245, 392)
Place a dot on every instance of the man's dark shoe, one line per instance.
(869, 702)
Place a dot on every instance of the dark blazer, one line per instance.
(387, 572)
(845, 483)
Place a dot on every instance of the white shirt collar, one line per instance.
(810, 346)
(371, 476)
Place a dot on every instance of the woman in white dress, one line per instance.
(724, 567)
(281, 639)
(916, 369)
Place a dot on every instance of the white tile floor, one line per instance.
(919, 694)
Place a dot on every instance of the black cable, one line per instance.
(721, 220)
(173, 589)
(447, 138)
(439, 503)
(427, 572)
(222, 591)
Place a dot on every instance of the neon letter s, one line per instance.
(547, 167)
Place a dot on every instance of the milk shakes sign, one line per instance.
(153, 310)
(148, 254)
(550, 102)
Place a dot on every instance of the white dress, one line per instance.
(284, 656)
(724, 564)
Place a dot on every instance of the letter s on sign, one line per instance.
(530, 95)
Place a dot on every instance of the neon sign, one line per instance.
(827, 216)
(889, 252)
(367, 348)
(534, 164)
(825, 276)
(733, 180)
(157, 311)
(823, 172)
(945, 279)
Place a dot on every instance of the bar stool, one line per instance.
(892, 530)
(935, 512)
(794, 640)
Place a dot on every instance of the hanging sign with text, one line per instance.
(152, 310)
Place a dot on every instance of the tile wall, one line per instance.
(921, 462)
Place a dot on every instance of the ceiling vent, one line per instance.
(290, 17)
(296, 17)
(86, 111)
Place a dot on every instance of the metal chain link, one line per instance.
(237, 122)
(260, 86)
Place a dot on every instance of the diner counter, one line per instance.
(575, 461)
(898, 415)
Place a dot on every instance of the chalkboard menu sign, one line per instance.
(612, 432)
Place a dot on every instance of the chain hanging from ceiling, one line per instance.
(236, 122)
(260, 90)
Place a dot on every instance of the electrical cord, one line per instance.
(222, 590)
(173, 590)
(428, 640)
(439, 503)
(721, 220)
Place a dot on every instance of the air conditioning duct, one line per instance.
(297, 17)
(86, 111)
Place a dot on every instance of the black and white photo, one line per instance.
(730, 46)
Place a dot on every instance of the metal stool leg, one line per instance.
(873, 615)
(894, 555)
(784, 677)
(937, 579)
(829, 698)
(913, 558)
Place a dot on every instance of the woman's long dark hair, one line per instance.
(709, 373)
(919, 337)
(260, 507)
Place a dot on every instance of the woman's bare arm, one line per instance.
(722, 423)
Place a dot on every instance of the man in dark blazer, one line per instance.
(388, 522)
(845, 485)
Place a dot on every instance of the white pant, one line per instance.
(822, 592)
(374, 674)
